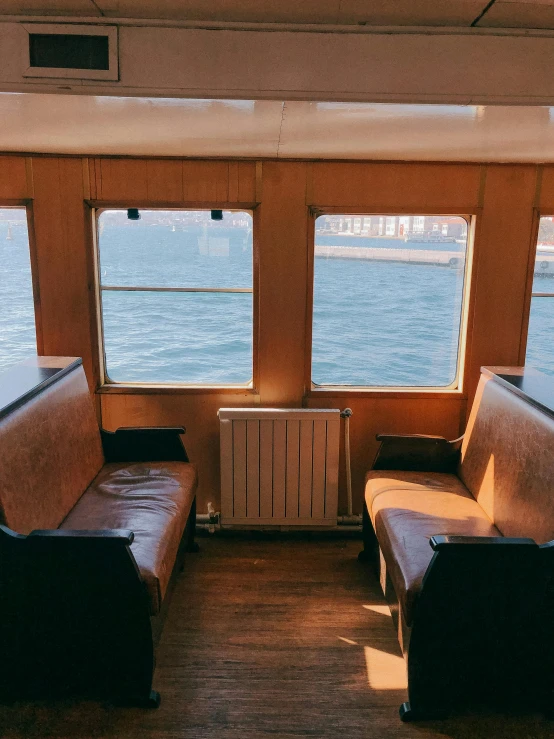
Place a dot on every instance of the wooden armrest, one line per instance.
(124, 535)
(447, 542)
(151, 444)
(415, 452)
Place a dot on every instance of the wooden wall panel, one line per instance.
(122, 179)
(14, 184)
(502, 248)
(63, 244)
(454, 187)
(546, 194)
(283, 255)
(171, 181)
(164, 180)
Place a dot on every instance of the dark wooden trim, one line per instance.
(417, 452)
(534, 387)
(124, 535)
(478, 635)
(144, 445)
(38, 379)
(74, 619)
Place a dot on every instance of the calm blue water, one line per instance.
(17, 317)
(375, 323)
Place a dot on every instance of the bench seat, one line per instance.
(153, 500)
(93, 524)
(406, 509)
(462, 533)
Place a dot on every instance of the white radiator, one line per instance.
(279, 466)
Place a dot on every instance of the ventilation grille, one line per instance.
(71, 51)
(64, 51)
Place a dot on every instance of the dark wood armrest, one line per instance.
(418, 453)
(447, 542)
(123, 535)
(154, 444)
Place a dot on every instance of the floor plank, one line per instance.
(271, 637)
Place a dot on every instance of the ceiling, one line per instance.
(463, 13)
(86, 124)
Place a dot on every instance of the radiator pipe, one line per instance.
(346, 414)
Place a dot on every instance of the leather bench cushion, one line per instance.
(152, 499)
(407, 509)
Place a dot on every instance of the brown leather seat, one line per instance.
(407, 509)
(152, 500)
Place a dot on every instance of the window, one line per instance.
(17, 315)
(540, 346)
(388, 302)
(176, 296)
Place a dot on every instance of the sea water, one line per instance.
(375, 323)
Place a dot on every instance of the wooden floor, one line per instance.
(271, 638)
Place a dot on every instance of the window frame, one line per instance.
(457, 387)
(109, 386)
(537, 214)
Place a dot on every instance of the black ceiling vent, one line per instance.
(83, 51)
(68, 51)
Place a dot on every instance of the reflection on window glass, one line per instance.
(176, 290)
(540, 347)
(388, 294)
(17, 315)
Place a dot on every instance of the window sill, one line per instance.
(393, 392)
(138, 389)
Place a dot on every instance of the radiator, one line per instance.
(279, 466)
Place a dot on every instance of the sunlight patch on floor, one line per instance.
(385, 671)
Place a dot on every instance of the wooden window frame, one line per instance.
(108, 386)
(457, 389)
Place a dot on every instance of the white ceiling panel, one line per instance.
(75, 124)
(521, 14)
(417, 132)
(49, 7)
(78, 124)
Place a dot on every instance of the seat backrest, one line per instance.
(507, 461)
(50, 451)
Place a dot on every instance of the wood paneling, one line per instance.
(446, 188)
(546, 194)
(171, 181)
(164, 180)
(501, 257)
(63, 246)
(122, 179)
(502, 196)
(14, 184)
(283, 255)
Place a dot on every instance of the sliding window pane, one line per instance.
(17, 315)
(388, 296)
(201, 338)
(540, 344)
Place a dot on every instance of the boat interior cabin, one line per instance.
(277, 369)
